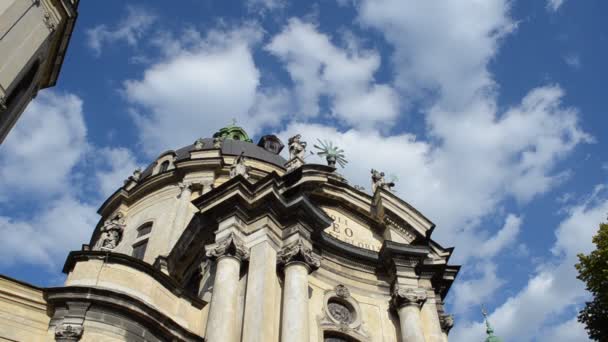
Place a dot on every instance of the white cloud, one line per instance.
(200, 87)
(44, 146)
(130, 29)
(64, 225)
(442, 47)
(476, 291)
(554, 5)
(554, 289)
(265, 6)
(116, 165)
(485, 157)
(346, 76)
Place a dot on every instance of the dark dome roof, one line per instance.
(229, 147)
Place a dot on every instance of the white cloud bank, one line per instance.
(39, 164)
(553, 290)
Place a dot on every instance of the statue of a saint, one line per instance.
(238, 167)
(297, 148)
(379, 182)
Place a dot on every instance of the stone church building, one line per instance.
(225, 240)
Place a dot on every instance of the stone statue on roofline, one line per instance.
(238, 167)
(297, 148)
(199, 144)
(379, 182)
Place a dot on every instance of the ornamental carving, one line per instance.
(68, 332)
(301, 253)
(404, 296)
(217, 142)
(111, 232)
(342, 291)
(229, 246)
(199, 144)
(238, 167)
(340, 312)
(447, 322)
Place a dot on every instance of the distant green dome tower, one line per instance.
(233, 132)
(489, 330)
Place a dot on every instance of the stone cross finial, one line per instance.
(404, 296)
(229, 246)
(298, 252)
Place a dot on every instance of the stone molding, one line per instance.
(405, 296)
(127, 260)
(298, 252)
(334, 318)
(447, 322)
(119, 303)
(230, 246)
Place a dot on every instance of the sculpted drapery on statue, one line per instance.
(111, 232)
(297, 148)
(379, 182)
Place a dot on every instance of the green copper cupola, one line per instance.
(233, 132)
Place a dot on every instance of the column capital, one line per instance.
(231, 245)
(298, 252)
(447, 322)
(405, 296)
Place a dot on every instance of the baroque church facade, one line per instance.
(225, 240)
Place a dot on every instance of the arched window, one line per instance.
(164, 166)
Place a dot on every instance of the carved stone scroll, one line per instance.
(298, 252)
(229, 246)
(405, 296)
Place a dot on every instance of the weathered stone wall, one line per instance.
(23, 315)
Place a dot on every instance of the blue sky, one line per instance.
(489, 113)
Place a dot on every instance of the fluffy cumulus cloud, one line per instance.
(129, 30)
(114, 166)
(344, 75)
(41, 150)
(41, 165)
(200, 86)
(553, 290)
(518, 150)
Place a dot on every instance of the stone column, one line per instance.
(260, 299)
(408, 301)
(221, 323)
(298, 261)
(447, 322)
(430, 319)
